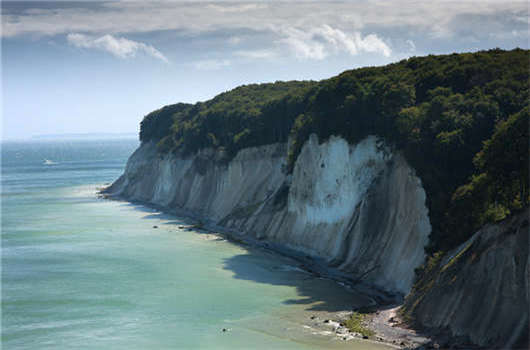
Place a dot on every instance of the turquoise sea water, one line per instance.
(79, 272)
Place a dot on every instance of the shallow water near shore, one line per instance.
(87, 273)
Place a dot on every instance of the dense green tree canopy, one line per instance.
(461, 120)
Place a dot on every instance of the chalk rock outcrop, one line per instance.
(358, 208)
(480, 290)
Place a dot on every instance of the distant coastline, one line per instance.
(86, 136)
(73, 137)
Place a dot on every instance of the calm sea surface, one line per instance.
(80, 272)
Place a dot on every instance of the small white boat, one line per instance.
(49, 162)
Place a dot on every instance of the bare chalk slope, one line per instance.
(360, 208)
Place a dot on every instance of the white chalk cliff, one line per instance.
(358, 208)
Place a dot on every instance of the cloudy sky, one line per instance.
(83, 67)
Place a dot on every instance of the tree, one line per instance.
(505, 159)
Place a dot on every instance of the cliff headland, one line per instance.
(410, 179)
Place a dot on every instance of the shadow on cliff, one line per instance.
(267, 267)
(315, 293)
(156, 213)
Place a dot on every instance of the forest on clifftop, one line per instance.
(461, 120)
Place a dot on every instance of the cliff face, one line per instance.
(481, 289)
(202, 185)
(358, 208)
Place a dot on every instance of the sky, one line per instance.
(89, 67)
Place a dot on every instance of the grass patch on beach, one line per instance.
(197, 226)
(355, 324)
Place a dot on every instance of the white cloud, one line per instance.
(211, 64)
(354, 43)
(303, 43)
(320, 42)
(371, 43)
(236, 8)
(411, 44)
(432, 18)
(256, 54)
(119, 47)
(234, 40)
(307, 30)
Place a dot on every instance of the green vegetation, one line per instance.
(461, 120)
(355, 324)
(250, 115)
(425, 278)
(500, 185)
